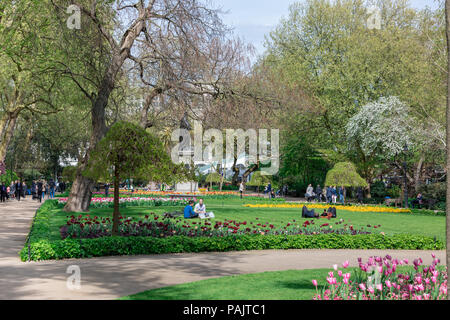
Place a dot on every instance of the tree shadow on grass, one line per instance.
(297, 285)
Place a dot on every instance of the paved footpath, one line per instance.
(113, 277)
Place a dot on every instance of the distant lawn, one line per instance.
(391, 223)
(278, 285)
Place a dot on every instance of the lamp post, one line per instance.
(405, 180)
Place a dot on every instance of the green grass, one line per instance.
(278, 285)
(275, 285)
(391, 223)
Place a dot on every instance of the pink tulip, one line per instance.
(370, 289)
(340, 273)
(388, 284)
(314, 282)
(335, 266)
(379, 287)
(443, 289)
(362, 286)
(345, 264)
(331, 280)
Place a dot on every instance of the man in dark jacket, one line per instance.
(329, 194)
(18, 190)
(106, 189)
(3, 192)
(319, 193)
(40, 186)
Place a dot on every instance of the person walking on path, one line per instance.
(18, 190)
(40, 187)
(3, 192)
(269, 190)
(333, 194)
(24, 189)
(51, 186)
(106, 189)
(241, 188)
(341, 194)
(329, 194)
(319, 193)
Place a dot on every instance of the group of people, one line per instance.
(328, 194)
(330, 213)
(41, 188)
(37, 190)
(16, 190)
(197, 211)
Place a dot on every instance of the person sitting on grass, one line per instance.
(189, 212)
(200, 210)
(331, 213)
(309, 214)
(200, 207)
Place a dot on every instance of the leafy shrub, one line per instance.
(112, 246)
(378, 189)
(435, 191)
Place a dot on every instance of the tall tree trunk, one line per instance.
(81, 191)
(3, 124)
(8, 133)
(447, 19)
(116, 214)
(418, 173)
(234, 180)
(248, 172)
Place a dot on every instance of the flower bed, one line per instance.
(200, 194)
(378, 279)
(134, 202)
(355, 208)
(42, 246)
(151, 225)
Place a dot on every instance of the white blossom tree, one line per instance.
(382, 128)
(378, 133)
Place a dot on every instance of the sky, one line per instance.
(252, 19)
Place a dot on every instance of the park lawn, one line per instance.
(274, 285)
(233, 209)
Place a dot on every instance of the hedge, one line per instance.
(112, 246)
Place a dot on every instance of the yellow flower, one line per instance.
(321, 206)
